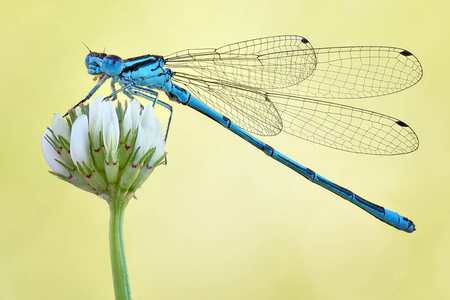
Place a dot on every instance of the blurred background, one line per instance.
(221, 220)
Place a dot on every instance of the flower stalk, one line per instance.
(117, 249)
(108, 151)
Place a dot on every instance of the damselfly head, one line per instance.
(112, 65)
(93, 62)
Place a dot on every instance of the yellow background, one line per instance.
(221, 220)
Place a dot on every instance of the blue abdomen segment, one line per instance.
(387, 216)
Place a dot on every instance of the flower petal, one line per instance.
(79, 142)
(50, 155)
(95, 119)
(147, 121)
(146, 132)
(111, 130)
(131, 118)
(78, 111)
(60, 126)
(140, 144)
(158, 142)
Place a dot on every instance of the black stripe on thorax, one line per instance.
(143, 61)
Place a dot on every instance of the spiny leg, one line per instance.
(126, 93)
(113, 88)
(113, 95)
(155, 101)
(155, 94)
(130, 90)
(169, 107)
(101, 80)
(153, 97)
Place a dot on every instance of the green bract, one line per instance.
(106, 150)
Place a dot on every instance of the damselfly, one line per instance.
(281, 83)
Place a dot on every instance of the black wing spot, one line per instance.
(402, 124)
(406, 53)
(305, 41)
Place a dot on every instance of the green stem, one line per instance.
(117, 249)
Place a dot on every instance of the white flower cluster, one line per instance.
(105, 150)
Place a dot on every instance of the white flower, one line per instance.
(90, 152)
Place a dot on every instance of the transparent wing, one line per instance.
(344, 127)
(289, 65)
(359, 72)
(272, 84)
(251, 110)
(330, 124)
(266, 63)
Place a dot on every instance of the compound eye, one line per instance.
(87, 61)
(112, 65)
